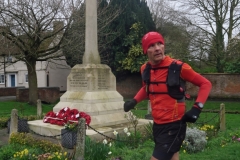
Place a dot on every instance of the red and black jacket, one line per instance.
(165, 107)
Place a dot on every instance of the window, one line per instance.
(26, 78)
(2, 79)
(8, 59)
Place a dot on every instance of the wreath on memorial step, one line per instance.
(66, 116)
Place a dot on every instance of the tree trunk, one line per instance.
(32, 82)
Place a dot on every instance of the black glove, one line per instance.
(191, 115)
(128, 105)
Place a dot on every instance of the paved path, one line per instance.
(4, 137)
(7, 98)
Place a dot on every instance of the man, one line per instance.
(164, 84)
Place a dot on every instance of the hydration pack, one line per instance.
(176, 86)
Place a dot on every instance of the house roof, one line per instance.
(7, 47)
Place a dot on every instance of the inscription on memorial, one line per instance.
(79, 80)
(103, 79)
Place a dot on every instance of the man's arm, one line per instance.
(205, 86)
(188, 74)
(141, 95)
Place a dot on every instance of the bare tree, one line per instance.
(171, 23)
(217, 22)
(28, 25)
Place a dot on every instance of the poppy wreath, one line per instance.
(73, 115)
(66, 115)
(52, 118)
(63, 113)
(86, 116)
(49, 117)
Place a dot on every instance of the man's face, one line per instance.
(155, 53)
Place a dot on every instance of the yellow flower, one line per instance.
(184, 151)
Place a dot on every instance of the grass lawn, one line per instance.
(24, 109)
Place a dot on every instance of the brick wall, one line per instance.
(129, 86)
(8, 91)
(223, 86)
(46, 94)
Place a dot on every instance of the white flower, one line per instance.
(104, 141)
(130, 113)
(115, 132)
(110, 144)
(125, 130)
(128, 134)
(109, 152)
(134, 117)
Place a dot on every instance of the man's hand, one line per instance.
(128, 105)
(191, 115)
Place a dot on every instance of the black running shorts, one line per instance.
(168, 139)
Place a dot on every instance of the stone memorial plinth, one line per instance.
(91, 88)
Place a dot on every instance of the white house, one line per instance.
(49, 74)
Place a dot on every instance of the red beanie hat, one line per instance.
(151, 38)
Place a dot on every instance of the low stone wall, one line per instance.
(9, 91)
(224, 86)
(129, 86)
(45, 94)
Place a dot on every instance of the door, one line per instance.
(12, 79)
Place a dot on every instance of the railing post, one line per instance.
(80, 146)
(149, 107)
(222, 118)
(39, 108)
(14, 122)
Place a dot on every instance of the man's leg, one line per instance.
(175, 156)
(152, 158)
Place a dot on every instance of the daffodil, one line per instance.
(105, 141)
(115, 132)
